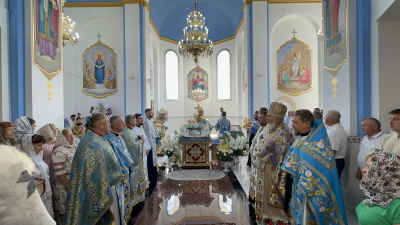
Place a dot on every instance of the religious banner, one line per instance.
(47, 36)
(294, 75)
(198, 84)
(99, 71)
(335, 34)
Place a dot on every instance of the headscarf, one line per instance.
(3, 136)
(27, 147)
(46, 132)
(75, 130)
(61, 141)
(382, 184)
(22, 127)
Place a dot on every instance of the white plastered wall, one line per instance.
(306, 20)
(132, 48)
(91, 21)
(5, 111)
(383, 64)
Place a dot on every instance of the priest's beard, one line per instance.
(271, 126)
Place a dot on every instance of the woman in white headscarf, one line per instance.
(32, 145)
(23, 126)
(63, 154)
(49, 132)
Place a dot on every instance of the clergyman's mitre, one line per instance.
(277, 109)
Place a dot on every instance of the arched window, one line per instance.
(171, 76)
(224, 75)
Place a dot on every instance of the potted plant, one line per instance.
(225, 153)
(214, 164)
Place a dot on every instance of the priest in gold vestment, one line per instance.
(271, 199)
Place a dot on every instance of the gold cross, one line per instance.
(99, 36)
(294, 33)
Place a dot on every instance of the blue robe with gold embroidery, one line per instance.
(223, 125)
(270, 186)
(125, 161)
(94, 170)
(312, 165)
(138, 181)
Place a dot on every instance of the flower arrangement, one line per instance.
(170, 145)
(225, 153)
(204, 127)
(239, 145)
(214, 162)
(176, 159)
(246, 124)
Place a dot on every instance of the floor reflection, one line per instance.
(196, 202)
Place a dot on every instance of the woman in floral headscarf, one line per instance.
(23, 126)
(7, 133)
(49, 132)
(381, 187)
(78, 130)
(63, 154)
(32, 145)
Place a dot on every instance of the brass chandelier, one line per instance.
(195, 40)
(68, 29)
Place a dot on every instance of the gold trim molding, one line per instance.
(106, 4)
(281, 2)
(158, 34)
(231, 37)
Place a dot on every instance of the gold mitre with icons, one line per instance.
(277, 109)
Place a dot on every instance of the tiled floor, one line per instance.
(201, 202)
(196, 202)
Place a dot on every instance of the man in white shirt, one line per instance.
(373, 138)
(338, 138)
(391, 142)
(152, 136)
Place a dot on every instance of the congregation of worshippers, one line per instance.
(95, 169)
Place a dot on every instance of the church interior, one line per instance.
(121, 57)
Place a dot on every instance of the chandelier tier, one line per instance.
(195, 40)
(69, 34)
(198, 94)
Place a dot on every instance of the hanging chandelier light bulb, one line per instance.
(195, 40)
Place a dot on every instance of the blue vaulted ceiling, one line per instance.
(169, 16)
(222, 17)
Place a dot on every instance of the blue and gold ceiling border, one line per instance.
(144, 3)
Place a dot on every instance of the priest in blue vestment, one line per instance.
(223, 124)
(94, 173)
(134, 143)
(311, 163)
(125, 161)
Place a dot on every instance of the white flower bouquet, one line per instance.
(225, 153)
(170, 145)
(239, 145)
